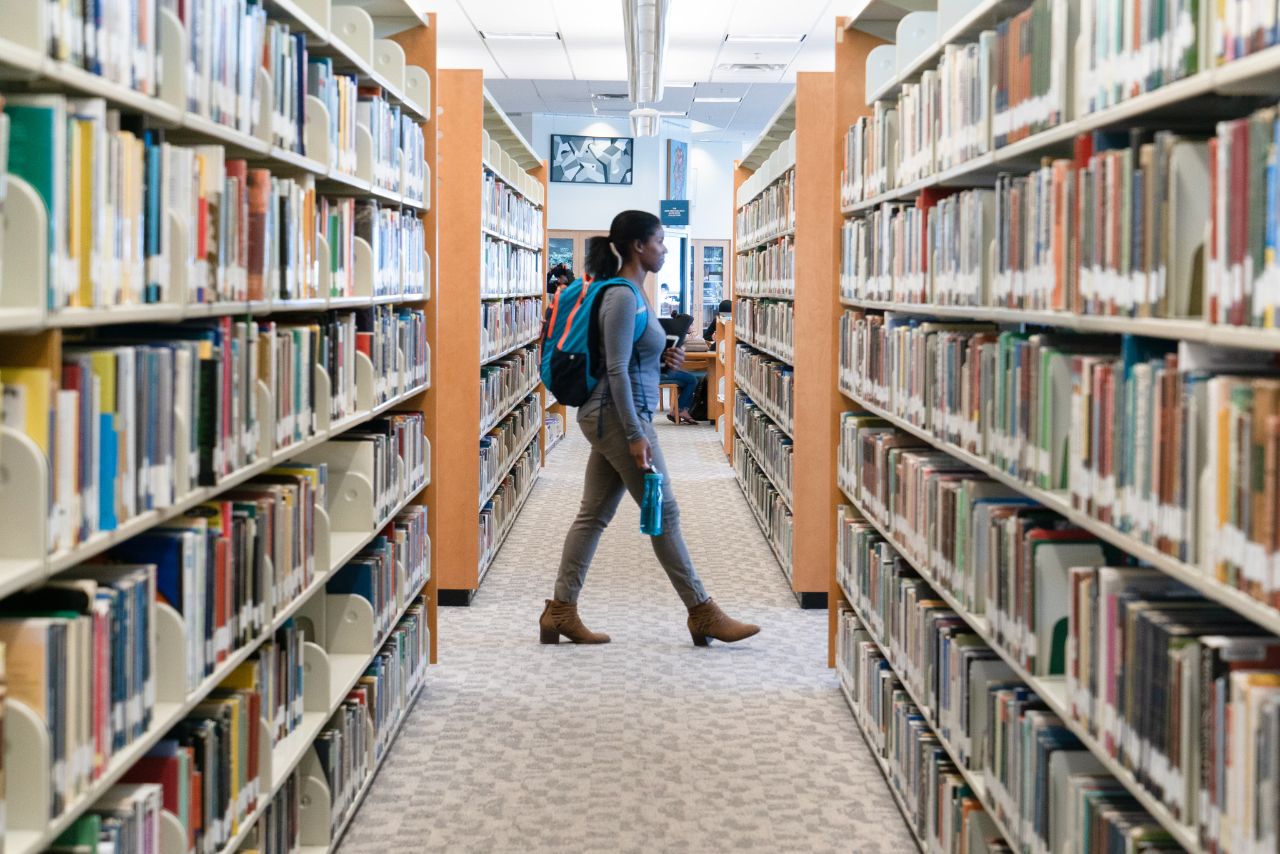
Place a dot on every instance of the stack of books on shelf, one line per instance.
(506, 498)
(504, 444)
(770, 447)
(769, 383)
(505, 383)
(767, 325)
(508, 324)
(769, 505)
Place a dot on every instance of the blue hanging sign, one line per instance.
(674, 211)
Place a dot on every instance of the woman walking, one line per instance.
(617, 420)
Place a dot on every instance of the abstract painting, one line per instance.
(591, 159)
(677, 169)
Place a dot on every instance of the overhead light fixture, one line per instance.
(715, 99)
(525, 37)
(645, 121)
(764, 38)
(644, 26)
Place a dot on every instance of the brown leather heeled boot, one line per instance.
(707, 621)
(561, 618)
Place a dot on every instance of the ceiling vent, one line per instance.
(752, 67)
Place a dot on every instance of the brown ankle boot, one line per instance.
(561, 618)
(707, 621)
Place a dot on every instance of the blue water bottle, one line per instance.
(651, 504)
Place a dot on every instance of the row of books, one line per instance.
(389, 570)
(344, 754)
(1167, 442)
(1039, 780)
(117, 39)
(510, 270)
(1117, 229)
(767, 504)
(770, 213)
(340, 93)
(770, 383)
(767, 323)
(395, 340)
(399, 243)
(1123, 55)
(555, 428)
(391, 452)
(504, 442)
(771, 447)
(499, 513)
(130, 214)
(507, 212)
(767, 271)
(942, 810)
(505, 324)
(399, 151)
(506, 382)
(1173, 687)
(205, 773)
(108, 421)
(1013, 82)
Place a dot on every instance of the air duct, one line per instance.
(644, 24)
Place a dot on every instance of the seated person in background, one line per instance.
(674, 373)
(724, 313)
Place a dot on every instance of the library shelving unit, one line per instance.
(1059, 296)
(179, 361)
(494, 187)
(778, 356)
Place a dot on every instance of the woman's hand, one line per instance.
(642, 454)
(674, 358)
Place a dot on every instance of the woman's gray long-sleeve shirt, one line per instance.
(630, 383)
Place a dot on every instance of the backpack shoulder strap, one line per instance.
(593, 327)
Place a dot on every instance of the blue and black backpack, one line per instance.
(571, 355)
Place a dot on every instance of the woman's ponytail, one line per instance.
(601, 262)
(605, 255)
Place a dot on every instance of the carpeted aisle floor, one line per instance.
(645, 744)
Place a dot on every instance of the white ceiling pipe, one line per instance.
(645, 27)
(645, 121)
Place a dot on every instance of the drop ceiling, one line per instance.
(573, 74)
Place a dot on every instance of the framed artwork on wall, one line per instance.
(591, 159)
(677, 169)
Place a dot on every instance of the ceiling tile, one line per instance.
(689, 64)
(713, 114)
(563, 89)
(700, 21)
(597, 61)
(510, 17)
(771, 52)
(530, 59)
(463, 55)
(515, 96)
(751, 17)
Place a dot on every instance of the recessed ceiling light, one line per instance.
(709, 99)
(531, 37)
(750, 66)
(772, 38)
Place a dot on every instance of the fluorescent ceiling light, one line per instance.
(528, 37)
(762, 38)
(710, 99)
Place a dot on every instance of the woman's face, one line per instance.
(651, 253)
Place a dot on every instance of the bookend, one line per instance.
(26, 259)
(917, 34)
(880, 69)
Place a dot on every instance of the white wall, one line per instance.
(593, 206)
(711, 189)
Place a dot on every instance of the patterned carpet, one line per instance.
(648, 743)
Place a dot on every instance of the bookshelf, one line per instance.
(321, 343)
(777, 353)
(938, 198)
(494, 306)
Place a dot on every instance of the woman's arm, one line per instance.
(617, 328)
